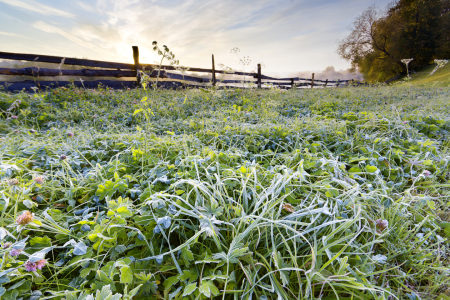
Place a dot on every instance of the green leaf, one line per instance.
(170, 281)
(103, 277)
(189, 289)
(332, 193)
(187, 255)
(10, 295)
(371, 169)
(122, 186)
(354, 170)
(190, 275)
(207, 288)
(105, 189)
(124, 212)
(134, 291)
(38, 241)
(431, 204)
(85, 272)
(427, 162)
(175, 293)
(126, 275)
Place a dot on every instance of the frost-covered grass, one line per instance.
(424, 78)
(309, 194)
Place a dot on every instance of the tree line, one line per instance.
(380, 39)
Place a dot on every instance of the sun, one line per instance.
(146, 55)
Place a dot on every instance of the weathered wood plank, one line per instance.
(28, 84)
(32, 71)
(201, 70)
(67, 61)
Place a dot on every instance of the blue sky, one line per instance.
(286, 35)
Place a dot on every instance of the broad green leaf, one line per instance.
(371, 169)
(102, 276)
(431, 204)
(189, 289)
(124, 212)
(126, 275)
(207, 288)
(187, 255)
(170, 281)
(190, 275)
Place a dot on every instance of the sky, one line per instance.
(286, 36)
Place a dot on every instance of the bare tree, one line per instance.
(372, 33)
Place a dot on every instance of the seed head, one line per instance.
(13, 181)
(25, 218)
(62, 157)
(39, 180)
(288, 207)
(70, 134)
(382, 224)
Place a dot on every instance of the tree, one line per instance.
(371, 45)
(420, 29)
(378, 41)
(443, 41)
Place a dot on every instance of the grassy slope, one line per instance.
(441, 78)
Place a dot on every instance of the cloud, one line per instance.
(34, 6)
(85, 6)
(9, 33)
(53, 29)
(285, 35)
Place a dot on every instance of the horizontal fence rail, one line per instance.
(138, 71)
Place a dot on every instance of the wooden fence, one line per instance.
(123, 70)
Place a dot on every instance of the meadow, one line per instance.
(225, 194)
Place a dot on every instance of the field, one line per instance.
(225, 194)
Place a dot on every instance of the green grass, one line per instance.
(441, 78)
(198, 194)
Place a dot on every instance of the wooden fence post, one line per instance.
(337, 85)
(326, 83)
(312, 81)
(259, 76)
(136, 64)
(292, 83)
(213, 72)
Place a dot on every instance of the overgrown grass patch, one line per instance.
(199, 194)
